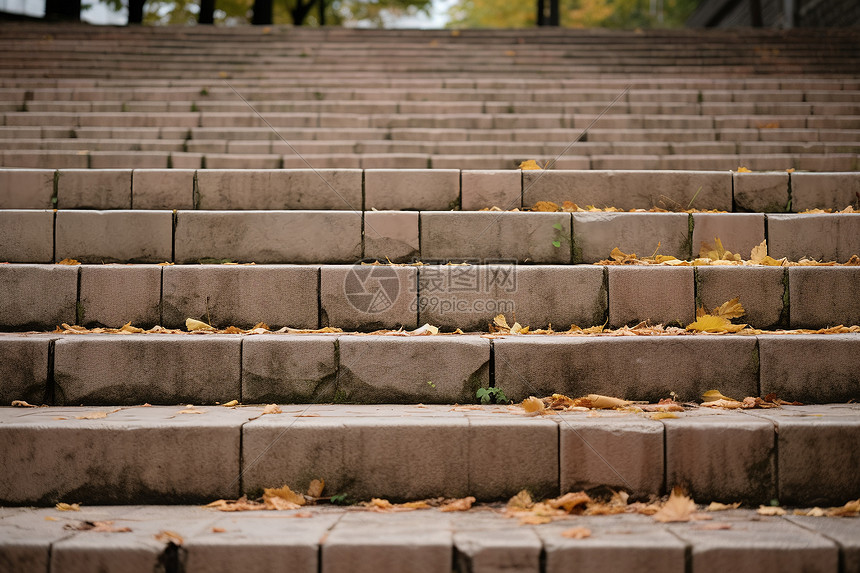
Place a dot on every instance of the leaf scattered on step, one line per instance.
(604, 402)
(530, 164)
(712, 526)
(219, 530)
(22, 404)
(92, 416)
(272, 409)
(68, 506)
(193, 325)
(711, 323)
(68, 262)
(662, 415)
(463, 504)
(743, 170)
(128, 328)
(730, 309)
(545, 207)
(241, 504)
(315, 489)
(714, 395)
(427, 329)
(770, 510)
(523, 500)
(717, 506)
(97, 526)
(230, 404)
(576, 533)
(570, 501)
(679, 507)
(533, 405)
(282, 498)
(191, 409)
(717, 252)
(167, 536)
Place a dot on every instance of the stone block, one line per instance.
(427, 369)
(368, 543)
(469, 297)
(421, 189)
(43, 296)
(722, 456)
(241, 295)
(673, 190)
(633, 368)
(25, 542)
(289, 368)
(26, 188)
(489, 237)
(27, 236)
(128, 160)
(761, 192)
(827, 237)
(641, 548)
(810, 368)
(280, 189)
(138, 368)
(820, 297)
(762, 292)
(24, 368)
(391, 236)
(368, 297)
(845, 532)
(817, 453)
(163, 189)
(492, 548)
(114, 295)
(396, 457)
(494, 442)
(268, 236)
(114, 236)
(134, 455)
(94, 189)
(596, 234)
(620, 452)
(766, 544)
(484, 189)
(738, 232)
(664, 295)
(824, 190)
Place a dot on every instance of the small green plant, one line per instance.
(204, 92)
(339, 499)
(491, 396)
(431, 384)
(560, 236)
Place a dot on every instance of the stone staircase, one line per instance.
(133, 153)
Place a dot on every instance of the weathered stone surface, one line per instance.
(633, 368)
(845, 532)
(241, 295)
(138, 368)
(761, 192)
(112, 295)
(26, 188)
(761, 290)
(596, 234)
(824, 296)
(738, 232)
(364, 297)
(827, 237)
(722, 456)
(817, 448)
(369, 543)
(269, 236)
(142, 455)
(25, 542)
(423, 189)
(620, 452)
(485, 189)
(94, 189)
(42, 296)
(114, 236)
(824, 190)
(391, 236)
(663, 295)
(288, 368)
(24, 368)
(469, 297)
(487, 546)
(673, 190)
(767, 544)
(495, 237)
(427, 369)
(641, 548)
(27, 236)
(163, 189)
(275, 189)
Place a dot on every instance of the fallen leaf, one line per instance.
(679, 507)
(713, 395)
(191, 409)
(711, 323)
(219, 530)
(315, 489)
(743, 170)
(523, 500)
(605, 402)
(231, 403)
(814, 512)
(68, 262)
(576, 533)
(727, 404)
(127, 327)
(716, 526)
(22, 404)
(770, 510)
(850, 509)
(166, 536)
(716, 506)
(570, 501)
(68, 506)
(533, 405)
(463, 504)
(193, 325)
(425, 330)
(530, 164)
(661, 415)
(92, 416)
(282, 498)
(545, 207)
(730, 309)
(241, 504)
(272, 409)
(97, 526)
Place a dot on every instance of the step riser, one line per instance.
(414, 453)
(171, 369)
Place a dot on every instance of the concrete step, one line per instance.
(481, 540)
(424, 189)
(126, 369)
(799, 455)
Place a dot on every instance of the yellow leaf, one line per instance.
(316, 487)
(22, 404)
(531, 164)
(501, 322)
(68, 506)
(523, 500)
(533, 405)
(231, 403)
(664, 258)
(716, 506)
(710, 323)
(759, 252)
(272, 409)
(661, 415)
(277, 497)
(606, 402)
(619, 255)
(545, 207)
(192, 325)
(190, 409)
(68, 262)
(127, 327)
(166, 536)
(850, 509)
(743, 170)
(712, 395)
(576, 533)
(517, 328)
(678, 508)
(770, 510)
(730, 309)
(463, 504)
(727, 404)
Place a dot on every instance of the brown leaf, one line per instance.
(576, 533)
(545, 207)
(241, 504)
(770, 510)
(679, 507)
(97, 526)
(68, 506)
(530, 164)
(523, 500)
(92, 416)
(272, 409)
(716, 506)
(463, 504)
(22, 404)
(167, 536)
(533, 405)
(283, 498)
(570, 501)
(68, 262)
(219, 530)
(315, 489)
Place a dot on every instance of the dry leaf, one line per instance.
(219, 530)
(523, 500)
(576, 533)
(545, 207)
(770, 510)
(714, 395)
(192, 325)
(315, 489)
(730, 309)
(533, 405)
(727, 404)
(711, 323)
(68, 506)
(190, 409)
(97, 526)
(530, 164)
(272, 409)
(92, 416)
(241, 504)
(570, 501)
(127, 327)
(535, 519)
(716, 506)
(605, 402)
(167, 536)
(743, 170)
(463, 504)
(678, 508)
(424, 330)
(282, 498)
(231, 403)
(68, 262)
(22, 404)
(662, 415)
(850, 509)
